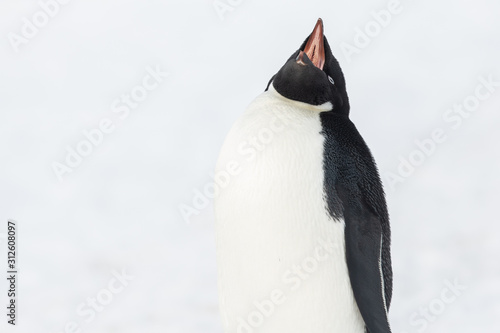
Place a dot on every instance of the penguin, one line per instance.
(301, 222)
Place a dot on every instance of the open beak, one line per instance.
(315, 47)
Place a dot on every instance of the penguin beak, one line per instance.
(315, 47)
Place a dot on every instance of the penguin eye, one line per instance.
(331, 80)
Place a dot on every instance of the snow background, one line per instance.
(120, 208)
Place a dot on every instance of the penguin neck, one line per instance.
(325, 107)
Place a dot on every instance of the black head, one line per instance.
(312, 74)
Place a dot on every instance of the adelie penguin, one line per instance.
(302, 228)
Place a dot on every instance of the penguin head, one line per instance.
(312, 74)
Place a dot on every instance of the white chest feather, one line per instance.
(281, 257)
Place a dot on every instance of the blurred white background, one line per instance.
(119, 209)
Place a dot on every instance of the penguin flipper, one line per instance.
(363, 242)
(355, 193)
